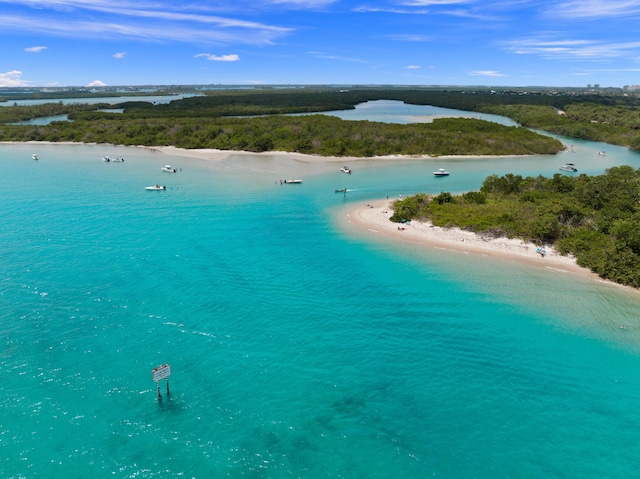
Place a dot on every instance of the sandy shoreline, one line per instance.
(219, 155)
(223, 154)
(372, 218)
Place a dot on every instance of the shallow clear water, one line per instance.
(298, 347)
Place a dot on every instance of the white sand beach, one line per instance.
(219, 155)
(372, 218)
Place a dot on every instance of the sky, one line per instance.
(519, 43)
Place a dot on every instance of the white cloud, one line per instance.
(399, 11)
(413, 67)
(219, 58)
(573, 49)
(410, 38)
(35, 49)
(119, 55)
(97, 83)
(12, 78)
(327, 56)
(486, 73)
(596, 8)
(158, 21)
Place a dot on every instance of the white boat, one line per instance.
(602, 153)
(118, 159)
(346, 169)
(106, 158)
(155, 188)
(568, 167)
(34, 157)
(292, 182)
(441, 172)
(168, 169)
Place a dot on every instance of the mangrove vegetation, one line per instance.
(255, 120)
(594, 218)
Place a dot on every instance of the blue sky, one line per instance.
(256, 42)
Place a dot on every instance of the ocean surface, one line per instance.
(298, 345)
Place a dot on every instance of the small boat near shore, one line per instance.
(34, 157)
(569, 167)
(168, 169)
(341, 190)
(118, 159)
(292, 182)
(155, 188)
(441, 172)
(346, 169)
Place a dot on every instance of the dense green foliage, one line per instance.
(22, 113)
(595, 218)
(196, 122)
(314, 134)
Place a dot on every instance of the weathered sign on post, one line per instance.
(160, 373)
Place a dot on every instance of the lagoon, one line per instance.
(298, 347)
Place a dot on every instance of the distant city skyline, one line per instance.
(57, 43)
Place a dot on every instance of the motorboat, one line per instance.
(346, 169)
(34, 157)
(106, 158)
(155, 188)
(568, 167)
(168, 169)
(441, 172)
(118, 159)
(292, 182)
(341, 190)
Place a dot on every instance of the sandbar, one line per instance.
(371, 219)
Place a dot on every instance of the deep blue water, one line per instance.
(299, 347)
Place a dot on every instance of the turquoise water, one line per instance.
(299, 347)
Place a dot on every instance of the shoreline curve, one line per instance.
(372, 219)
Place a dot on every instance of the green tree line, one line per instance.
(314, 134)
(594, 218)
(605, 116)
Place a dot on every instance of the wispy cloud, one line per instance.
(611, 70)
(486, 73)
(304, 3)
(328, 56)
(143, 21)
(35, 49)
(219, 58)
(119, 55)
(440, 7)
(12, 78)
(573, 49)
(147, 31)
(399, 11)
(413, 67)
(407, 37)
(595, 8)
